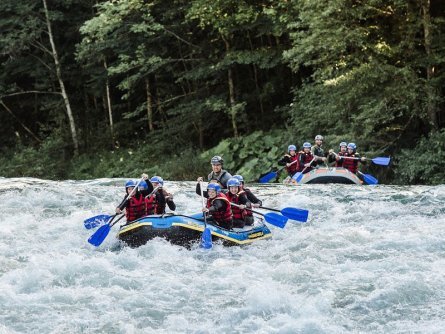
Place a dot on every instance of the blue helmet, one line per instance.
(157, 179)
(233, 182)
(352, 146)
(307, 145)
(214, 186)
(130, 183)
(239, 178)
(343, 143)
(291, 148)
(143, 185)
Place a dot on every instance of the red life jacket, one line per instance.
(237, 212)
(135, 208)
(305, 159)
(292, 169)
(339, 163)
(150, 204)
(221, 216)
(350, 164)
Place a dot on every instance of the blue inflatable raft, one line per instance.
(185, 230)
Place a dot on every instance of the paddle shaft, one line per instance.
(246, 208)
(203, 204)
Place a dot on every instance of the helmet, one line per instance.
(214, 186)
(130, 183)
(307, 145)
(352, 146)
(239, 178)
(233, 182)
(343, 143)
(291, 148)
(319, 137)
(216, 160)
(143, 185)
(157, 179)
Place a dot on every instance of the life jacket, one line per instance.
(212, 176)
(292, 169)
(339, 163)
(150, 204)
(350, 164)
(221, 216)
(135, 208)
(319, 152)
(305, 158)
(237, 212)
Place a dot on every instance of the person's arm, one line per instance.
(253, 199)
(170, 203)
(160, 198)
(198, 190)
(218, 205)
(122, 205)
(284, 160)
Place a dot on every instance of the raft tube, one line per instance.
(185, 230)
(329, 175)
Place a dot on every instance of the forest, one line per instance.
(99, 89)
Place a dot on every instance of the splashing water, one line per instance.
(370, 259)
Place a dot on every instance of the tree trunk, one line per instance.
(61, 83)
(431, 94)
(231, 93)
(20, 122)
(110, 111)
(149, 105)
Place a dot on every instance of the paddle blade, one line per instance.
(206, 239)
(276, 219)
(269, 176)
(296, 214)
(96, 221)
(99, 236)
(384, 161)
(369, 179)
(298, 176)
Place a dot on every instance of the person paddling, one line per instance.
(157, 202)
(317, 151)
(217, 207)
(237, 196)
(218, 174)
(351, 158)
(290, 160)
(307, 161)
(255, 202)
(133, 203)
(337, 156)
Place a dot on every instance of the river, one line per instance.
(369, 260)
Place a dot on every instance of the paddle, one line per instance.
(206, 237)
(369, 179)
(96, 221)
(99, 236)
(273, 174)
(383, 161)
(271, 217)
(291, 213)
(299, 175)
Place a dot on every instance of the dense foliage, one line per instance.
(112, 88)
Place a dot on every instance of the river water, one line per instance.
(369, 260)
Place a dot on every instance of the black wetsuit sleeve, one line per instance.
(171, 205)
(218, 205)
(160, 198)
(243, 199)
(198, 190)
(150, 187)
(123, 204)
(283, 161)
(252, 198)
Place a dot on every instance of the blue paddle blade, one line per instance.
(269, 176)
(99, 236)
(384, 161)
(369, 179)
(206, 239)
(296, 214)
(96, 221)
(298, 176)
(276, 219)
